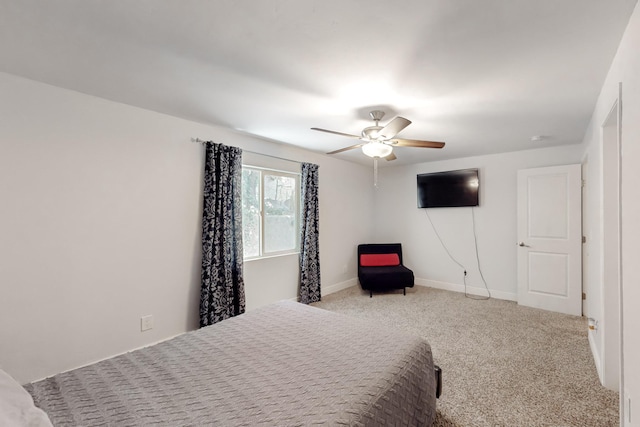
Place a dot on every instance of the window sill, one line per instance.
(271, 256)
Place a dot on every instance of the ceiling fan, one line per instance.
(378, 141)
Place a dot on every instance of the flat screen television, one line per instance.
(448, 189)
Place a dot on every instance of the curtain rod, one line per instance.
(202, 141)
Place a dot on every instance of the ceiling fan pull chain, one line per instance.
(375, 172)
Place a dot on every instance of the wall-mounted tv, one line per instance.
(448, 189)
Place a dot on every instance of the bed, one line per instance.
(285, 364)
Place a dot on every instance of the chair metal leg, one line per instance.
(370, 293)
(404, 291)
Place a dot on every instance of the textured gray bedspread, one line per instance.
(286, 364)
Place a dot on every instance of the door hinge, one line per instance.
(584, 239)
(584, 296)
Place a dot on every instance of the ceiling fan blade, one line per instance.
(416, 143)
(390, 157)
(346, 149)
(393, 127)
(348, 135)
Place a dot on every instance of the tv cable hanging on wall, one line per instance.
(464, 269)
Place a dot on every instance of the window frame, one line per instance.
(262, 254)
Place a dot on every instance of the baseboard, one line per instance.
(339, 286)
(473, 290)
(596, 356)
(455, 287)
(82, 365)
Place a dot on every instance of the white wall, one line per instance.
(398, 219)
(626, 69)
(100, 224)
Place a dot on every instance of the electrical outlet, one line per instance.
(146, 323)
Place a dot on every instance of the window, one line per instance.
(270, 212)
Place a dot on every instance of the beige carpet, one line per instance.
(503, 364)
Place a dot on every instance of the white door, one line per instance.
(550, 239)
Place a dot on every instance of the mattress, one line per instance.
(285, 364)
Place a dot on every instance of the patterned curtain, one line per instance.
(309, 250)
(222, 293)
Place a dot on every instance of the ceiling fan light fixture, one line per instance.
(376, 149)
(378, 141)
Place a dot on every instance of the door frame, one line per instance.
(611, 261)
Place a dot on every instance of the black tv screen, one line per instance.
(448, 189)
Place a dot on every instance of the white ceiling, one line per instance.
(483, 76)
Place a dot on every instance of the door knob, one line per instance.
(522, 244)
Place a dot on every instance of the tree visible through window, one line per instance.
(270, 212)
